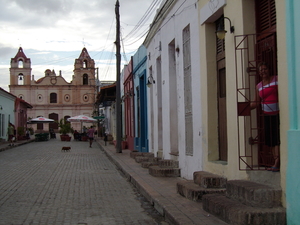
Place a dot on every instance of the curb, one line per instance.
(168, 209)
(7, 147)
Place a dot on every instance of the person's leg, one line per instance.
(10, 140)
(276, 142)
(276, 157)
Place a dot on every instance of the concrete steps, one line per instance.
(209, 180)
(165, 168)
(247, 203)
(141, 154)
(253, 194)
(203, 183)
(151, 162)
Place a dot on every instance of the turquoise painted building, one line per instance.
(293, 162)
(7, 113)
(140, 99)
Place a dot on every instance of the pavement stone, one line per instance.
(40, 184)
(71, 187)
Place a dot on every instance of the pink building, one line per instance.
(52, 96)
(129, 106)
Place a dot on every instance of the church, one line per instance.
(52, 96)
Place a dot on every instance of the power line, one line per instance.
(151, 9)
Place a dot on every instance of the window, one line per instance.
(2, 128)
(85, 79)
(85, 63)
(188, 103)
(265, 16)
(20, 79)
(53, 98)
(85, 98)
(20, 64)
(40, 98)
(67, 97)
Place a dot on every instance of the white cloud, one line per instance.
(53, 32)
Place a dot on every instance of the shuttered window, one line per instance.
(265, 16)
(188, 103)
(220, 43)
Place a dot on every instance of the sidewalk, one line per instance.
(5, 145)
(160, 192)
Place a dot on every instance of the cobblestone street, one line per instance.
(40, 184)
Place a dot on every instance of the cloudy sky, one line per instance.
(52, 33)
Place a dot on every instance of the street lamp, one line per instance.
(221, 32)
(150, 81)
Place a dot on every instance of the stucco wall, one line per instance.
(169, 33)
(242, 16)
(139, 61)
(7, 103)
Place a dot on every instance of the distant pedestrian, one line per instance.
(105, 138)
(27, 134)
(10, 133)
(90, 134)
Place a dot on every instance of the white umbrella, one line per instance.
(40, 120)
(81, 119)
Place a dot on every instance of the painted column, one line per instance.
(293, 165)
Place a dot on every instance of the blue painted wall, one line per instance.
(293, 164)
(140, 99)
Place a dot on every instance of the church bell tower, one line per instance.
(84, 69)
(20, 69)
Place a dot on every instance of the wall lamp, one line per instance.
(221, 32)
(150, 81)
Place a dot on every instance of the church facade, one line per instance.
(52, 96)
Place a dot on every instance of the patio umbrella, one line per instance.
(40, 120)
(81, 119)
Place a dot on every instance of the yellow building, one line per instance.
(52, 96)
(233, 141)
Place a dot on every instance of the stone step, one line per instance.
(234, 212)
(194, 192)
(253, 194)
(148, 164)
(153, 161)
(144, 154)
(157, 171)
(209, 180)
(140, 159)
(168, 163)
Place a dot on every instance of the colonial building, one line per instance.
(52, 96)
(173, 75)
(199, 106)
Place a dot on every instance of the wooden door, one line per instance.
(222, 112)
(266, 51)
(221, 95)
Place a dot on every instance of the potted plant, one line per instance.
(21, 133)
(124, 142)
(65, 128)
(31, 131)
